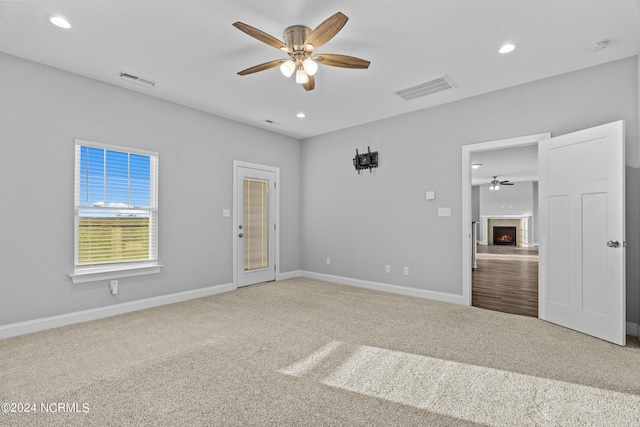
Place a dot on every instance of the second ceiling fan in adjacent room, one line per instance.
(494, 185)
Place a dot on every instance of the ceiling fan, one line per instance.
(299, 43)
(494, 185)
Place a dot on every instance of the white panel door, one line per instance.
(255, 225)
(582, 254)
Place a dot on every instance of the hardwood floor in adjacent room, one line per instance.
(506, 280)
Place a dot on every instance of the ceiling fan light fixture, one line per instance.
(301, 76)
(310, 66)
(287, 68)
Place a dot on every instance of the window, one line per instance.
(116, 212)
(256, 224)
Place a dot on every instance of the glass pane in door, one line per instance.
(256, 224)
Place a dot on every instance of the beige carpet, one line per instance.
(306, 352)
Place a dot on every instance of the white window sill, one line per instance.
(94, 274)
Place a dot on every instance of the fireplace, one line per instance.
(504, 235)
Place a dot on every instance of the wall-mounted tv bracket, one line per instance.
(366, 160)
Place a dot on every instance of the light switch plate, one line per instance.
(444, 211)
(226, 213)
(430, 195)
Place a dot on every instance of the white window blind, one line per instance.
(116, 205)
(256, 223)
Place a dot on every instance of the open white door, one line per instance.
(255, 223)
(582, 254)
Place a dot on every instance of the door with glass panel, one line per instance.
(255, 223)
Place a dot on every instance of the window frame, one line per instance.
(105, 271)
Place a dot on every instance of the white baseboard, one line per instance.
(289, 275)
(27, 327)
(42, 324)
(632, 328)
(394, 289)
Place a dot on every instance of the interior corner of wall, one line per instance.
(632, 151)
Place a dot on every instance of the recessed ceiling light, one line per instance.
(301, 115)
(476, 165)
(508, 47)
(59, 21)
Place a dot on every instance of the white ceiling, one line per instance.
(508, 164)
(192, 52)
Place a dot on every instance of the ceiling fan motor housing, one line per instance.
(295, 36)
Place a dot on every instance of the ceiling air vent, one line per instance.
(137, 80)
(428, 88)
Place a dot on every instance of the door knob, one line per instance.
(613, 244)
(240, 226)
(240, 235)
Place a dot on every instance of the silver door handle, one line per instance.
(613, 244)
(240, 235)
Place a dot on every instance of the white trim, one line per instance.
(240, 164)
(119, 148)
(633, 329)
(108, 272)
(42, 324)
(289, 275)
(384, 287)
(466, 197)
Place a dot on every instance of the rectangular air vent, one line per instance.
(428, 88)
(137, 80)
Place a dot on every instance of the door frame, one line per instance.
(234, 231)
(467, 150)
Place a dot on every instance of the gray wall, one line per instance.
(42, 110)
(361, 221)
(475, 210)
(366, 221)
(514, 199)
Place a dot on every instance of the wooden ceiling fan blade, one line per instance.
(310, 85)
(262, 67)
(326, 30)
(343, 61)
(262, 36)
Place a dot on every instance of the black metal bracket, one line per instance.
(368, 160)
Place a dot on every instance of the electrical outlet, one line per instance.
(406, 271)
(113, 287)
(328, 261)
(387, 269)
